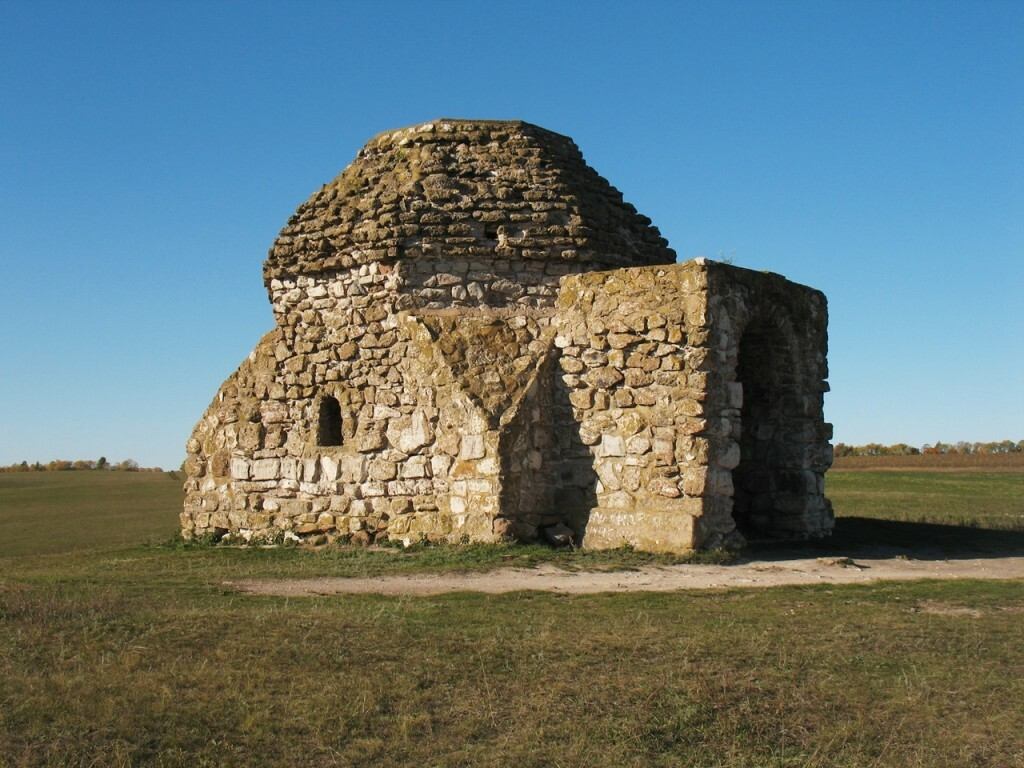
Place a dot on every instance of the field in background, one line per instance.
(973, 499)
(119, 654)
(960, 462)
(42, 512)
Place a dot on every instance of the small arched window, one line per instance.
(328, 428)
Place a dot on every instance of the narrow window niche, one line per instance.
(328, 428)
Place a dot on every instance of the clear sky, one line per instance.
(151, 151)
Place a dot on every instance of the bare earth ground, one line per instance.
(824, 570)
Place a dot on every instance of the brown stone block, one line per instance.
(603, 378)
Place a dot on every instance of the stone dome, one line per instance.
(466, 189)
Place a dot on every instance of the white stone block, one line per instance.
(735, 394)
(414, 467)
(472, 447)
(329, 467)
(266, 469)
(290, 469)
(439, 465)
(611, 445)
(353, 469)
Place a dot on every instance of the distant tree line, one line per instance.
(63, 465)
(902, 449)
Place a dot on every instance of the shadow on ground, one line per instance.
(866, 537)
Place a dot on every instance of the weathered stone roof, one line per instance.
(466, 189)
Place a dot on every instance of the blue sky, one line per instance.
(150, 152)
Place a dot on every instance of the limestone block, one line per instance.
(638, 445)
(400, 506)
(488, 466)
(664, 450)
(690, 450)
(274, 411)
(369, 438)
(571, 364)
(329, 468)
(611, 445)
(476, 291)
(290, 469)
(735, 394)
(694, 481)
(729, 456)
(631, 478)
(439, 465)
(381, 469)
(239, 469)
(689, 407)
(250, 436)
(311, 470)
(620, 340)
(608, 474)
(414, 467)
(582, 398)
(373, 489)
(636, 378)
(623, 398)
(352, 469)
(617, 500)
(410, 433)
(665, 486)
(589, 435)
(266, 469)
(692, 426)
(603, 378)
(274, 438)
(472, 447)
(719, 482)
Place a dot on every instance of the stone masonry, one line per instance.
(477, 339)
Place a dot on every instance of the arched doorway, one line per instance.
(768, 482)
(328, 427)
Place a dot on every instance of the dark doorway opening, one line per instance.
(763, 483)
(329, 422)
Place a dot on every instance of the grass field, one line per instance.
(42, 512)
(120, 654)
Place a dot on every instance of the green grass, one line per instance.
(121, 655)
(992, 500)
(59, 511)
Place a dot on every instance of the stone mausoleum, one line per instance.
(477, 339)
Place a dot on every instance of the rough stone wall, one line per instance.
(465, 191)
(655, 362)
(447, 364)
(662, 407)
(634, 376)
(771, 344)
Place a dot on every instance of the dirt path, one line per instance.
(825, 570)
